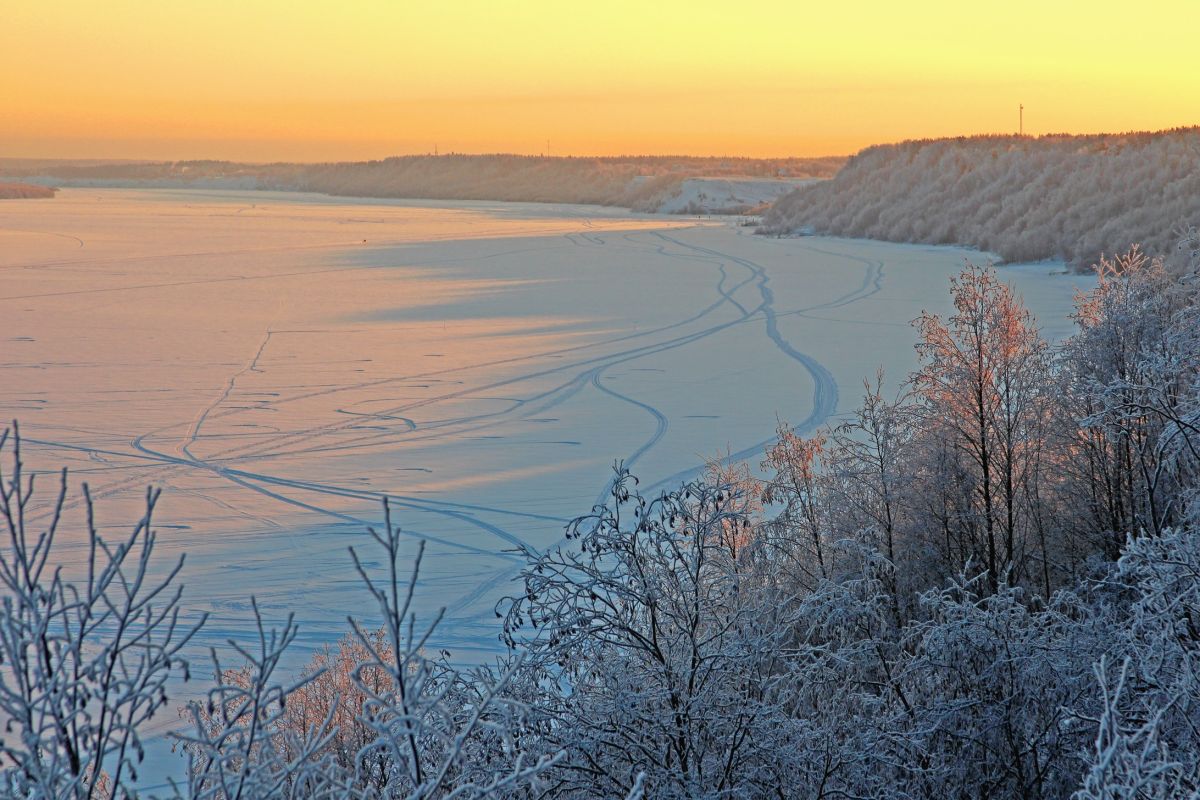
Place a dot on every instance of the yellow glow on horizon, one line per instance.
(323, 80)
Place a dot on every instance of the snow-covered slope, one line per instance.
(1024, 198)
(726, 195)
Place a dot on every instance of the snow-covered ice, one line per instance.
(279, 362)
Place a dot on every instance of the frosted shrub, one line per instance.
(996, 688)
(1133, 372)
(1130, 762)
(1162, 575)
(237, 746)
(657, 651)
(84, 663)
(401, 724)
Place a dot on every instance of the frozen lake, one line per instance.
(279, 362)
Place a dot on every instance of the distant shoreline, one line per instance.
(648, 184)
(26, 191)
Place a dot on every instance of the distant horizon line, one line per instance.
(569, 156)
(474, 154)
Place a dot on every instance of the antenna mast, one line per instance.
(1021, 123)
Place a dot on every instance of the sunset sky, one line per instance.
(321, 80)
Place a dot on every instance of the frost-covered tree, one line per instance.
(868, 481)
(1132, 373)
(982, 382)
(796, 485)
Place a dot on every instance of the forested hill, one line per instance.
(1023, 198)
(642, 183)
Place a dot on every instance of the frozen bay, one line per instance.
(280, 362)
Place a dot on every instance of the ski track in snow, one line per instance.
(586, 371)
(248, 433)
(825, 392)
(731, 293)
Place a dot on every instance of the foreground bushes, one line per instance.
(986, 587)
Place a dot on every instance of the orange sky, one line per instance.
(323, 79)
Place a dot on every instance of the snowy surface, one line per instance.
(279, 362)
(727, 195)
